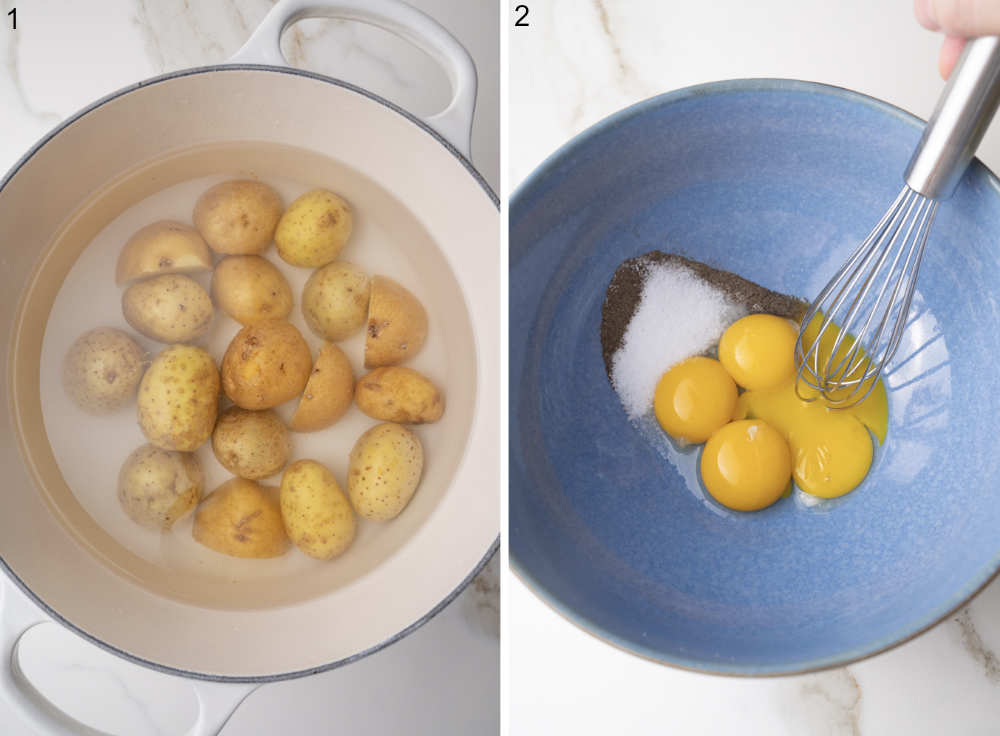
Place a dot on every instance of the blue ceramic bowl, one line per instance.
(777, 181)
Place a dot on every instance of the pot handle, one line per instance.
(46, 665)
(454, 123)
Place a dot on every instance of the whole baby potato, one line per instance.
(157, 487)
(318, 517)
(397, 324)
(399, 394)
(238, 217)
(166, 246)
(384, 471)
(335, 300)
(266, 364)
(102, 369)
(314, 229)
(179, 398)
(169, 308)
(250, 289)
(242, 519)
(328, 392)
(251, 444)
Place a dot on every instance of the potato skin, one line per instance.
(250, 289)
(328, 393)
(251, 444)
(238, 217)
(164, 247)
(397, 324)
(170, 308)
(102, 370)
(399, 394)
(179, 398)
(314, 229)
(266, 364)
(318, 517)
(241, 518)
(157, 487)
(335, 300)
(384, 471)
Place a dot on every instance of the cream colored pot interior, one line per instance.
(422, 218)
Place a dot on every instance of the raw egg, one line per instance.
(746, 465)
(694, 398)
(758, 351)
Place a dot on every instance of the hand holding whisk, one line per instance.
(853, 328)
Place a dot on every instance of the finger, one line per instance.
(922, 9)
(963, 18)
(951, 48)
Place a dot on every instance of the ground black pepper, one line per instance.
(625, 291)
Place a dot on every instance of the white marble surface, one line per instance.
(576, 63)
(444, 678)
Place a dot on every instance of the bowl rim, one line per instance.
(583, 622)
(11, 576)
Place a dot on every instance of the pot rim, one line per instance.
(490, 552)
(582, 621)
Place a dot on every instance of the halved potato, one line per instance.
(328, 393)
(397, 324)
(164, 247)
(238, 217)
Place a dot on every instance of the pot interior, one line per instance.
(75, 456)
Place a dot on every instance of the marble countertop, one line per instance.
(576, 63)
(444, 678)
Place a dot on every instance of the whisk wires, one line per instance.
(854, 326)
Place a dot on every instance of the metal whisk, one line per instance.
(853, 328)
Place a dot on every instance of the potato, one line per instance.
(384, 471)
(318, 517)
(335, 300)
(242, 519)
(179, 398)
(164, 247)
(266, 364)
(169, 308)
(399, 394)
(250, 289)
(397, 324)
(102, 369)
(314, 229)
(251, 444)
(157, 487)
(328, 393)
(238, 217)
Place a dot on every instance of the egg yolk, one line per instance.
(746, 465)
(758, 351)
(694, 398)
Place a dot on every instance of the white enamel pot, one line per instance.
(408, 178)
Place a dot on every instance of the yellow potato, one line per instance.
(102, 369)
(242, 519)
(399, 394)
(397, 324)
(169, 308)
(384, 471)
(238, 217)
(179, 398)
(251, 444)
(157, 487)
(163, 247)
(314, 229)
(328, 393)
(335, 300)
(250, 289)
(266, 364)
(318, 517)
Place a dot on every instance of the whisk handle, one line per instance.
(963, 112)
